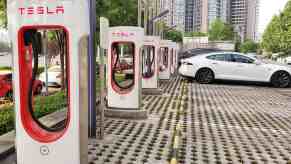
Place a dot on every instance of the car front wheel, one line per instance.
(204, 76)
(281, 79)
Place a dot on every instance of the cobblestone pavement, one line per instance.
(220, 124)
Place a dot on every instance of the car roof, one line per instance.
(221, 52)
(197, 51)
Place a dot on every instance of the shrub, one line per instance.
(6, 119)
(39, 71)
(42, 107)
(248, 46)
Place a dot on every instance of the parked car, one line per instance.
(54, 76)
(252, 55)
(234, 66)
(6, 88)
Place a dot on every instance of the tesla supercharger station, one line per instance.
(174, 58)
(150, 66)
(27, 22)
(177, 50)
(124, 72)
(164, 60)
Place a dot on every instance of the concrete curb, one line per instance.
(153, 91)
(137, 114)
(7, 144)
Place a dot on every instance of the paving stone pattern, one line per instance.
(220, 124)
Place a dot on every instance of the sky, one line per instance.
(268, 8)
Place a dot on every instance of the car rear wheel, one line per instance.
(281, 79)
(204, 76)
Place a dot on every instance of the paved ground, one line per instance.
(221, 123)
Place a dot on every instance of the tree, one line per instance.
(3, 17)
(61, 39)
(248, 46)
(174, 35)
(220, 31)
(119, 12)
(271, 36)
(285, 29)
(277, 36)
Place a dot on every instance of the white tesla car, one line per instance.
(234, 66)
(54, 76)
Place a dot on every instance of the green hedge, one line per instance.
(6, 119)
(5, 68)
(39, 71)
(43, 106)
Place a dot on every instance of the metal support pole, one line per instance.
(45, 52)
(102, 93)
(92, 71)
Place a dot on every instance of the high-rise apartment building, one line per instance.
(244, 17)
(176, 16)
(201, 13)
(190, 16)
(243, 14)
(179, 14)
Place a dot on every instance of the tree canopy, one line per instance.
(174, 35)
(220, 31)
(277, 36)
(119, 12)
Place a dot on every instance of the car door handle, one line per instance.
(215, 63)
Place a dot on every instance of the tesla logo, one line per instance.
(149, 40)
(123, 34)
(41, 10)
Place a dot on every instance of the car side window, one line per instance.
(242, 59)
(218, 57)
(228, 58)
